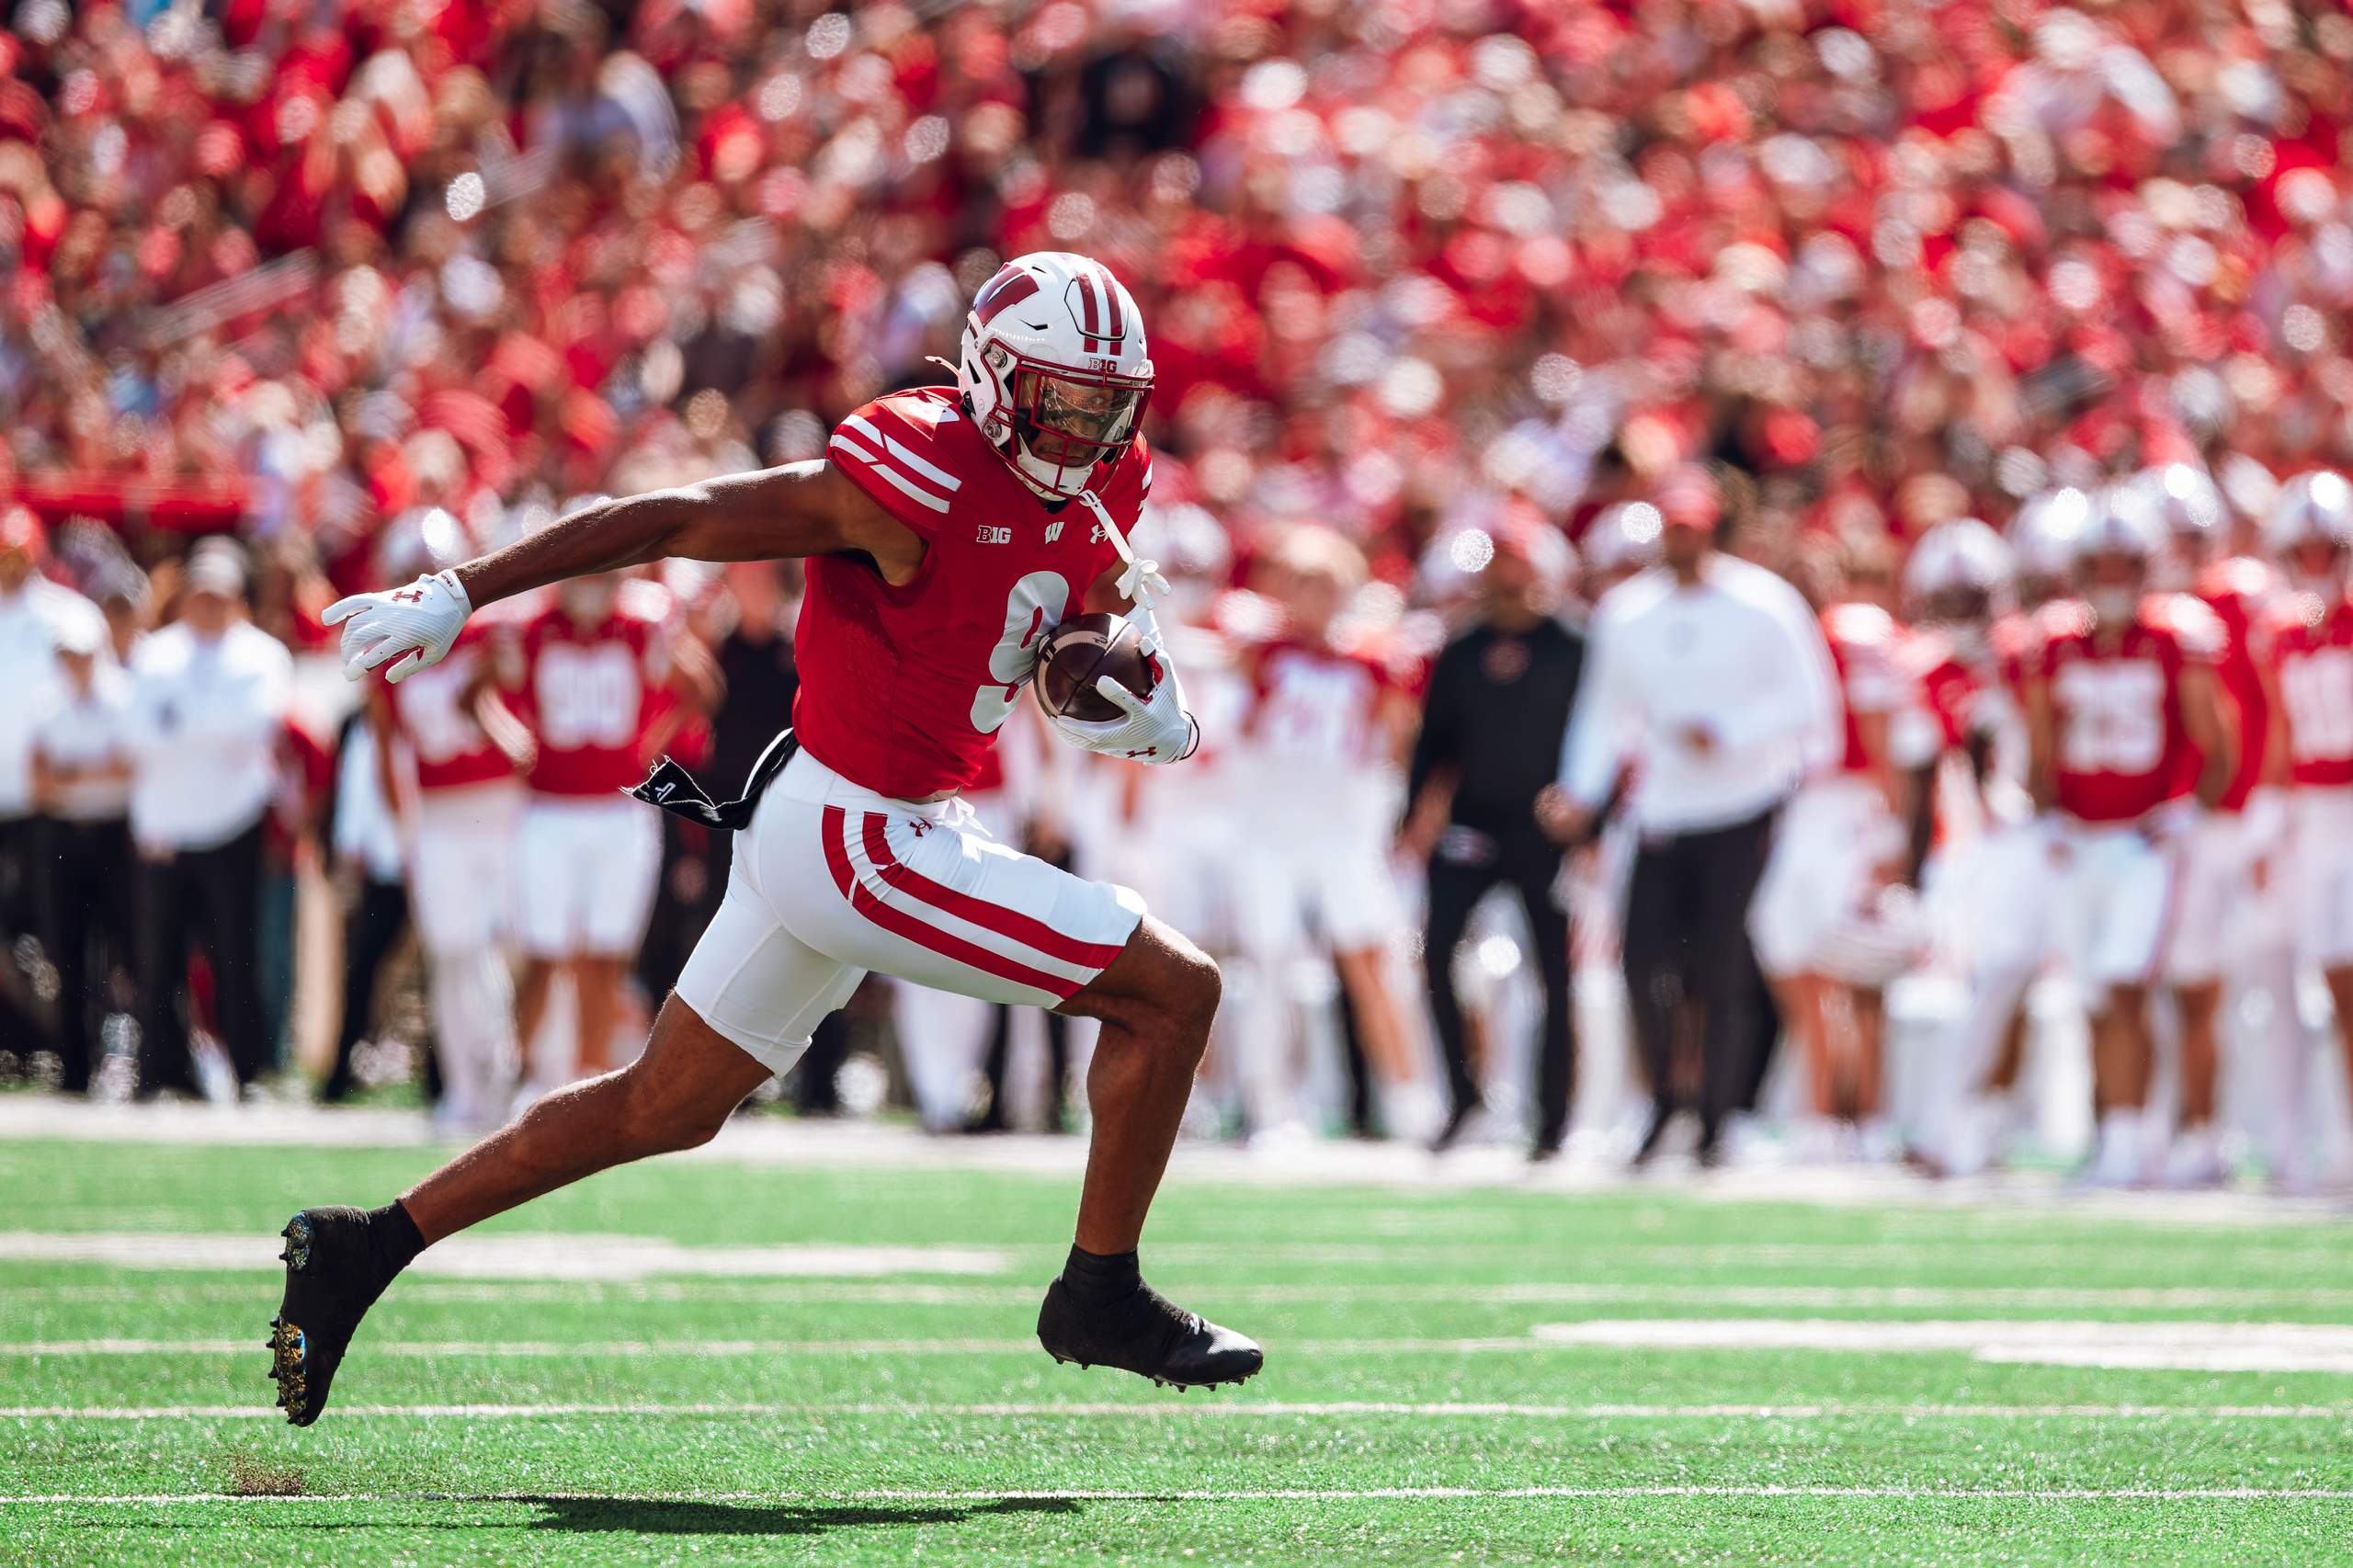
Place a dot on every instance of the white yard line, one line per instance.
(2157, 1344)
(769, 1141)
(1246, 1495)
(531, 1255)
(2087, 1298)
(1221, 1409)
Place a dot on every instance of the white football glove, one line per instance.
(1155, 729)
(415, 624)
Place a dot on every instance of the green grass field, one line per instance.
(1416, 1407)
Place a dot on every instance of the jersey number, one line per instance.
(2318, 691)
(1033, 608)
(2112, 717)
(437, 726)
(586, 697)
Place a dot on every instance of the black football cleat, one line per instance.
(1146, 1333)
(333, 1275)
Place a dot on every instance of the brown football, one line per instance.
(1082, 651)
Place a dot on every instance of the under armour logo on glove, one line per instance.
(408, 596)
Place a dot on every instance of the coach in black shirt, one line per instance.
(1490, 743)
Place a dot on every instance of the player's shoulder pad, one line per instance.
(640, 598)
(904, 450)
(2293, 611)
(2191, 622)
(1860, 625)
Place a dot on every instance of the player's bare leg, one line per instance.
(2121, 1055)
(2200, 1008)
(678, 1094)
(530, 1010)
(1155, 1002)
(1377, 1014)
(596, 995)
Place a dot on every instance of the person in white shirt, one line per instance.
(1714, 673)
(81, 777)
(34, 611)
(208, 710)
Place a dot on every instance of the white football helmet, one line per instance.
(2186, 501)
(1055, 369)
(2123, 520)
(2044, 533)
(419, 543)
(1962, 555)
(2315, 507)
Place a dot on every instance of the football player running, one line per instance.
(945, 530)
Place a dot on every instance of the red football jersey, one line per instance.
(1317, 706)
(589, 694)
(2236, 591)
(2121, 748)
(903, 689)
(1947, 689)
(2311, 646)
(429, 715)
(1863, 649)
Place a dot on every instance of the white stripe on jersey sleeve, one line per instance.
(884, 470)
(898, 449)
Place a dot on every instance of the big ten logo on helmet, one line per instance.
(995, 533)
(1104, 366)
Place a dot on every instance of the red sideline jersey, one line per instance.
(1947, 689)
(2311, 646)
(903, 689)
(2122, 747)
(1318, 707)
(589, 694)
(2237, 592)
(429, 714)
(1863, 649)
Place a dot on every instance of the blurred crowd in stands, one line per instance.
(1447, 282)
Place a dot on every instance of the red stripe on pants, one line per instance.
(900, 924)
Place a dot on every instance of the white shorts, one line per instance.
(2321, 858)
(1327, 886)
(2221, 916)
(2116, 898)
(831, 881)
(2013, 888)
(584, 875)
(461, 857)
(1830, 837)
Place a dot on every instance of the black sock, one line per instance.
(1094, 1279)
(395, 1236)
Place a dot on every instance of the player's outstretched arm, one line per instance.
(803, 508)
(799, 509)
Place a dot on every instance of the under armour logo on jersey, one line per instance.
(991, 534)
(407, 596)
(1094, 536)
(1053, 530)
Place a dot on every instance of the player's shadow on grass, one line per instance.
(661, 1516)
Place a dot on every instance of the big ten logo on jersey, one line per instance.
(431, 713)
(994, 533)
(2317, 688)
(1033, 608)
(2112, 715)
(586, 696)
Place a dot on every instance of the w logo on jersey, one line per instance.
(1053, 530)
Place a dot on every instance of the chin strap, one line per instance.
(1142, 582)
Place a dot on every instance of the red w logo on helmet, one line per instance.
(1009, 287)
